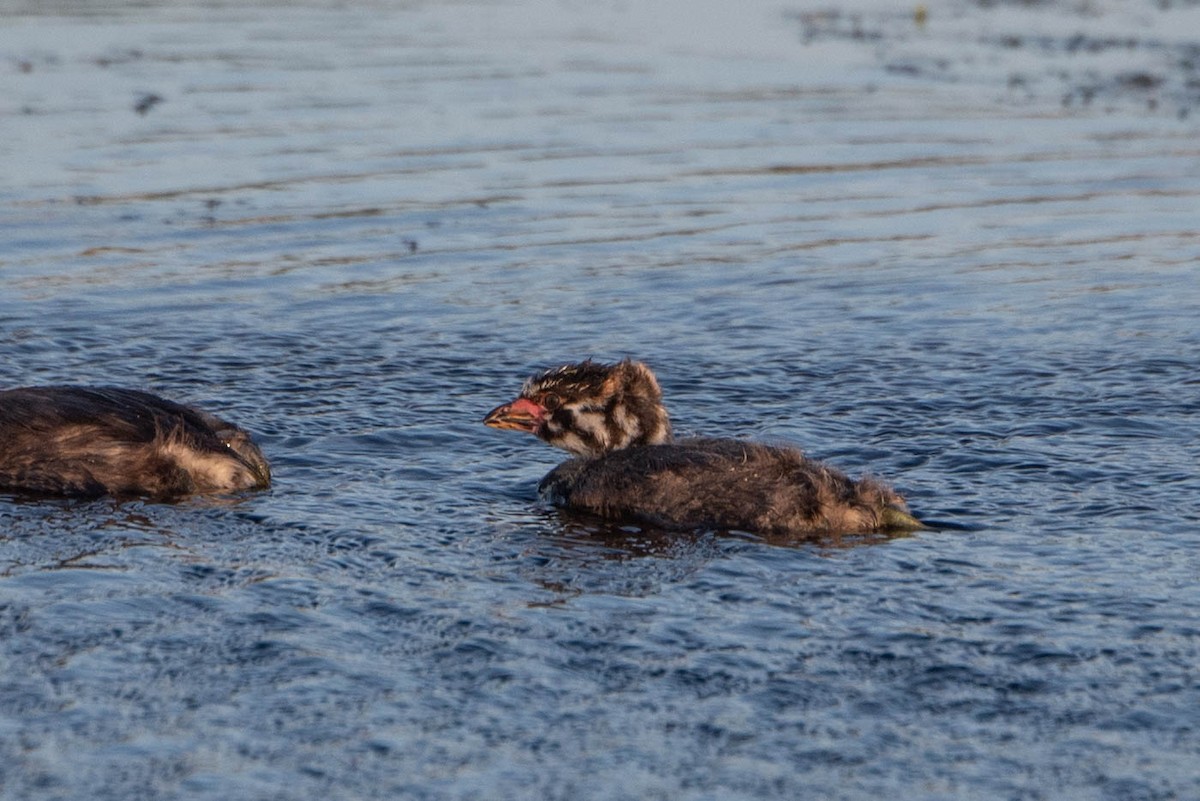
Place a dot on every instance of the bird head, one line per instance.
(589, 408)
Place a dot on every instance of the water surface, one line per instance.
(960, 255)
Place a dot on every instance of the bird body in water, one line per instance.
(94, 441)
(627, 465)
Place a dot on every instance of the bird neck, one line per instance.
(640, 424)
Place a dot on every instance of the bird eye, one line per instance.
(550, 401)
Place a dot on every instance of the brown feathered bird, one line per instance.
(628, 466)
(93, 441)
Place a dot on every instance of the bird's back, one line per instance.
(67, 440)
(725, 484)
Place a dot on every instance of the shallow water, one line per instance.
(958, 255)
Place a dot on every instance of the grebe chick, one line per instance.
(627, 466)
(85, 441)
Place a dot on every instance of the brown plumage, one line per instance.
(85, 441)
(627, 466)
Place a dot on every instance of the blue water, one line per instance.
(355, 230)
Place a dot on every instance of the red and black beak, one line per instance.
(520, 415)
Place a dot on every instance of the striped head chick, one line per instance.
(589, 409)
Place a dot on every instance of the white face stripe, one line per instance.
(209, 470)
(627, 424)
(586, 434)
(591, 422)
(571, 443)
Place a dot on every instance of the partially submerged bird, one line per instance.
(93, 441)
(628, 466)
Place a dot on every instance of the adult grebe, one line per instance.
(611, 417)
(86, 441)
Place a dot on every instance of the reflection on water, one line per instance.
(956, 253)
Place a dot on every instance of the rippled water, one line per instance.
(959, 254)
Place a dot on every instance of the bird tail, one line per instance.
(894, 518)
